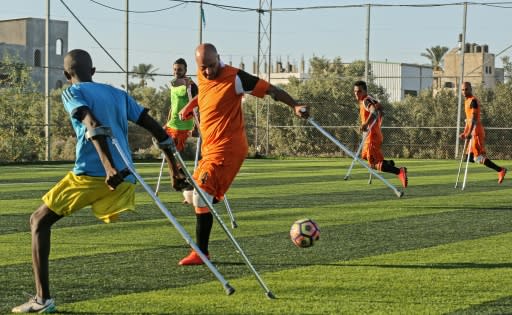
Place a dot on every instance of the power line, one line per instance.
(137, 11)
(321, 7)
(92, 36)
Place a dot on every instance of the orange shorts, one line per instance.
(477, 146)
(215, 173)
(372, 152)
(178, 136)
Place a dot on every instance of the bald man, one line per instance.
(474, 132)
(224, 141)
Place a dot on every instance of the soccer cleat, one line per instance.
(33, 306)
(501, 175)
(192, 259)
(403, 176)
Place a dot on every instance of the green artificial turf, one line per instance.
(437, 250)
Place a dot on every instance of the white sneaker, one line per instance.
(33, 306)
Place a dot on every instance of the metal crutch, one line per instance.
(467, 163)
(397, 192)
(203, 196)
(359, 149)
(227, 287)
(160, 176)
(460, 164)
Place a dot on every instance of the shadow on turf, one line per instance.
(431, 266)
(134, 312)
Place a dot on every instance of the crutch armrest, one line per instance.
(98, 131)
(167, 144)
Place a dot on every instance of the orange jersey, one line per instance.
(472, 108)
(220, 108)
(372, 147)
(224, 142)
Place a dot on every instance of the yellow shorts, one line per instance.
(74, 192)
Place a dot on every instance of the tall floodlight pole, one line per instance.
(462, 43)
(47, 118)
(264, 64)
(367, 59)
(201, 22)
(127, 46)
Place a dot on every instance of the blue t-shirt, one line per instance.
(113, 108)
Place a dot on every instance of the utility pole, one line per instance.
(127, 65)
(47, 117)
(201, 14)
(367, 53)
(264, 61)
(462, 43)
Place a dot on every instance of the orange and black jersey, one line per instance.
(220, 108)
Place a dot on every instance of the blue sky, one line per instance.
(398, 33)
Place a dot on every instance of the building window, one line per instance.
(410, 92)
(448, 85)
(37, 58)
(58, 47)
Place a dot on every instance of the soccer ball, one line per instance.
(304, 233)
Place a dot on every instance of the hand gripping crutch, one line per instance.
(359, 149)
(460, 164)
(202, 194)
(467, 163)
(234, 225)
(227, 287)
(341, 146)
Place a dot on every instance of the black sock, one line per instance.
(490, 164)
(204, 222)
(389, 167)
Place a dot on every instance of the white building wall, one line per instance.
(388, 75)
(399, 79)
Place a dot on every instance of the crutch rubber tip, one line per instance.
(234, 225)
(345, 178)
(229, 289)
(400, 194)
(270, 295)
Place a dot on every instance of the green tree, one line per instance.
(21, 108)
(143, 72)
(435, 54)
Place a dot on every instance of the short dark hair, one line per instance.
(180, 61)
(361, 84)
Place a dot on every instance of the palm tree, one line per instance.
(435, 55)
(143, 72)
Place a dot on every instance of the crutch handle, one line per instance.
(125, 172)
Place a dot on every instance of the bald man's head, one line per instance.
(208, 60)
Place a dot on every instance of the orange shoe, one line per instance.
(192, 259)
(501, 175)
(403, 176)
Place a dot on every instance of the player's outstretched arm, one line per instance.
(187, 112)
(166, 144)
(283, 96)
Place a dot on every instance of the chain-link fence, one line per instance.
(417, 127)
(422, 126)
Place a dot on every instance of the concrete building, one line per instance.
(401, 79)
(25, 38)
(281, 73)
(479, 68)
